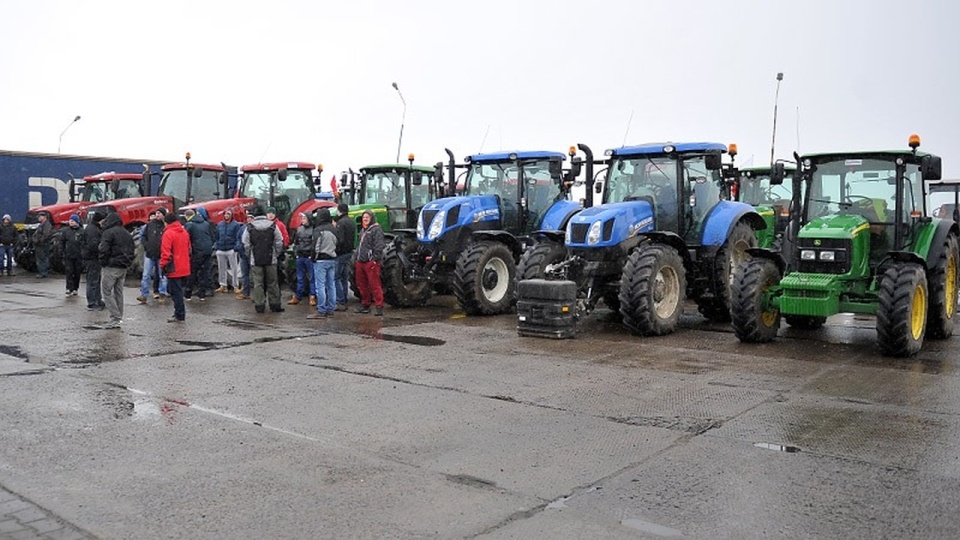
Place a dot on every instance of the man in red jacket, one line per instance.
(175, 263)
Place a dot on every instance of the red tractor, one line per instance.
(91, 191)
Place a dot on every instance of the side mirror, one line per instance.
(417, 179)
(282, 174)
(222, 178)
(438, 173)
(574, 171)
(930, 167)
(196, 172)
(556, 169)
(712, 161)
(597, 187)
(777, 174)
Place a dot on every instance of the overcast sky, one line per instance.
(243, 82)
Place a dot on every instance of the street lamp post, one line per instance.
(60, 142)
(773, 142)
(402, 121)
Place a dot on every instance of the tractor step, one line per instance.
(546, 308)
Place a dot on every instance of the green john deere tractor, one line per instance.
(860, 242)
(770, 198)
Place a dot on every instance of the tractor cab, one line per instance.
(943, 199)
(107, 187)
(395, 193)
(288, 186)
(769, 195)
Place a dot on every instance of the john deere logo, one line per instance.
(816, 242)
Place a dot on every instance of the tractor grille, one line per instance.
(428, 218)
(841, 249)
(578, 232)
(453, 216)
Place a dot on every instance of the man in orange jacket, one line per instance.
(175, 263)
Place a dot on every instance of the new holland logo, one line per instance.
(637, 227)
(479, 216)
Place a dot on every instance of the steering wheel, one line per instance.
(860, 199)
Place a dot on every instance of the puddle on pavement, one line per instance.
(243, 325)
(201, 344)
(410, 340)
(13, 351)
(778, 447)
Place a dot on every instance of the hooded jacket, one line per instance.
(150, 238)
(228, 232)
(71, 242)
(324, 237)
(303, 239)
(8, 233)
(41, 236)
(175, 248)
(262, 223)
(372, 242)
(90, 245)
(201, 234)
(347, 231)
(116, 244)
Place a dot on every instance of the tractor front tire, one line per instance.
(755, 318)
(943, 281)
(484, 281)
(902, 310)
(652, 290)
(716, 307)
(396, 291)
(534, 261)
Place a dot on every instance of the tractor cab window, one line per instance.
(755, 190)
(174, 184)
(126, 190)
(539, 190)
(292, 192)
(94, 192)
(701, 192)
(256, 186)
(651, 179)
(384, 187)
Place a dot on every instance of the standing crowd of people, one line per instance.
(178, 254)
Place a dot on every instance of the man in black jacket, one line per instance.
(8, 240)
(150, 240)
(90, 252)
(116, 256)
(41, 244)
(70, 248)
(347, 236)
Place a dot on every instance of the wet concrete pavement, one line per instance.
(425, 423)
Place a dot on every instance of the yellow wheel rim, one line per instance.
(918, 312)
(951, 288)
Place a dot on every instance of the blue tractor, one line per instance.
(660, 234)
(470, 243)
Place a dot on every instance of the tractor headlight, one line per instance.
(593, 235)
(436, 227)
(808, 255)
(420, 228)
(827, 256)
(569, 235)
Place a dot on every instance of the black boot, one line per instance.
(276, 308)
(260, 309)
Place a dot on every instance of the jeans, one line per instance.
(305, 276)
(94, 295)
(228, 273)
(175, 286)
(111, 287)
(6, 259)
(245, 269)
(324, 272)
(344, 264)
(149, 273)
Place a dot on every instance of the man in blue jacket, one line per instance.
(228, 271)
(201, 254)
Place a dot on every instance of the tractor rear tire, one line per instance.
(534, 261)
(755, 319)
(716, 307)
(56, 252)
(902, 310)
(652, 290)
(396, 291)
(136, 267)
(805, 322)
(484, 281)
(943, 281)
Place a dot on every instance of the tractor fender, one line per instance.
(671, 239)
(944, 228)
(904, 257)
(775, 256)
(500, 236)
(724, 217)
(555, 236)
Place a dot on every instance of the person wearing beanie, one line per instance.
(8, 240)
(271, 213)
(70, 248)
(117, 254)
(175, 263)
(263, 244)
(89, 252)
(150, 235)
(346, 240)
(202, 235)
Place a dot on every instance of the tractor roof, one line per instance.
(181, 166)
(396, 167)
(664, 148)
(511, 156)
(950, 185)
(886, 155)
(268, 167)
(110, 176)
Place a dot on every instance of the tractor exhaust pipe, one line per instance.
(451, 171)
(589, 172)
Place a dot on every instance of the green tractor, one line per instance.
(860, 242)
(770, 198)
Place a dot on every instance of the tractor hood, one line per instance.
(215, 208)
(133, 210)
(609, 224)
(838, 226)
(557, 216)
(59, 213)
(440, 216)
